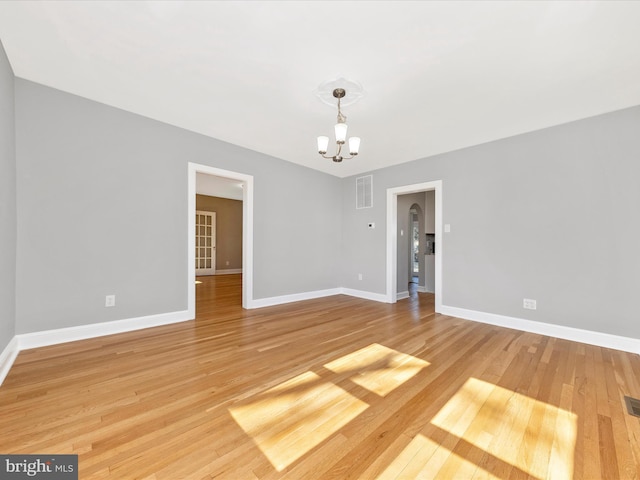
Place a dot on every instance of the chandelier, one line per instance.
(341, 134)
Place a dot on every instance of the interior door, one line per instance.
(205, 243)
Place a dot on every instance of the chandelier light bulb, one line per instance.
(354, 145)
(323, 144)
(341, 132)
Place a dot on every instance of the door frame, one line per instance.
(247, 231)
(392, 237)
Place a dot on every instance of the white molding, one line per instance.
(294, 297)
(600, 339)
(298, 297)
(376, 297)
(62, 335)
(247, 230)
(83, 332)
(7, 357)
(402, 295)
(229, 271)
(422, 289)
(392, 237)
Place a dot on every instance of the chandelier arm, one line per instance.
(335, 156)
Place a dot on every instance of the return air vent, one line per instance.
(364, 192)
(633, 406)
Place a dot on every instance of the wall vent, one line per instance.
(364, 192)
(633, 406)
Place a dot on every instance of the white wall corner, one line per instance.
(7, 357)
(600, 339)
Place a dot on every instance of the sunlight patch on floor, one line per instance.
(418, 458)
(289, 420)
(377, 368)
(530, 435)
(487, 425)
(293, 417)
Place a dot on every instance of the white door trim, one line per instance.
(392, 237)
(247, 232)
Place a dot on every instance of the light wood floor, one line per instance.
(333, 388)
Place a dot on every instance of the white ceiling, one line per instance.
(438, 76)
(218, 186)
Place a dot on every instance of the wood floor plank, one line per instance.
(330, 388)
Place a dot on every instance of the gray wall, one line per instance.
(102, 203)
(430, 212)
(550, 215)
(7, 203)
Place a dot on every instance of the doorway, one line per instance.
(392, 238)
(246, 182)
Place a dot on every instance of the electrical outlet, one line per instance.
(227, 263)
(110, 301)
(359, 276)
(529, 304)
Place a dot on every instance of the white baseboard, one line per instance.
(295, 297)
(229, 271)
(606, 340)
(377, 297)
(402, 295)
(7, 357)
(82, 332)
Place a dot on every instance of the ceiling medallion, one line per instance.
(325, 91)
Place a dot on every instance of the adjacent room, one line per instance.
(314, 240)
